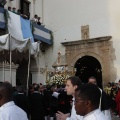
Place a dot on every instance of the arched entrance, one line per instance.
(88, 66)
(98, 50)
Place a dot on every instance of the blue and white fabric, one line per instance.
(19, 27)
(2, 20)
(42, 34)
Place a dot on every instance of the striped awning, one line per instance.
(42, 34)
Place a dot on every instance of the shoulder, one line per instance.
(12, 112)
(99, 115)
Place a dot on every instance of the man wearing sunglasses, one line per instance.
(87, 102)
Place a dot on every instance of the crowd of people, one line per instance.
(25, 16)
(113, 92)
(73, 101)
(35, 20)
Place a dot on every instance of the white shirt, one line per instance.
(9, 111)
(95, 115)
(74, 116)
(105, 112)
(35, 20)
(55, 94)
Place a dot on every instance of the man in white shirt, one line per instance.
(8, 109)
(103, 102)
(87, 102)
(71, 85)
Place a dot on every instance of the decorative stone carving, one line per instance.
(100, 48)
(85, 32)
(61, 61)
(42, 70)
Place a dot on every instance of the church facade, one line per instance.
(85, 28)
(86, 32)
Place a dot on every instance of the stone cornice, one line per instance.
(92, 40)
(6, 66)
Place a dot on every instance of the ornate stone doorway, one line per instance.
(88, 66)
(100, 48)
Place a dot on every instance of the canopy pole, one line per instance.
(39, 59)
(10, 58)
(3, 69)
(28, 72)
(10, 66)
(3, 72)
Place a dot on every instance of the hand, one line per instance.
(61, 116)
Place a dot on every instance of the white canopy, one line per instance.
(19, 48)
(12, 50)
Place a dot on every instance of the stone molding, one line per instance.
(6, 66)
(99, 48)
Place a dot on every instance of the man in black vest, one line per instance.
(37, 104)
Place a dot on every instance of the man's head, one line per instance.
(35, 16)
(92, 80)
(53, 88)
(87, 98)
(20, 89)
(36, 87)
(39, 18)
(14, 9)
(113, 85)
(71, 85)
(119, 82)
(109, 84)
(6, 91)
(9, 8)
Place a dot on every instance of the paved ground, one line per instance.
(115, 118)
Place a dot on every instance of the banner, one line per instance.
(19, 27)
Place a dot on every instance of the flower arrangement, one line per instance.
(59, 79)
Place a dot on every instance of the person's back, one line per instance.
(22, 101)
(8, 109)
(64, 102)
(95, 115)
(37, 105)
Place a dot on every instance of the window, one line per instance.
(24, 6)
